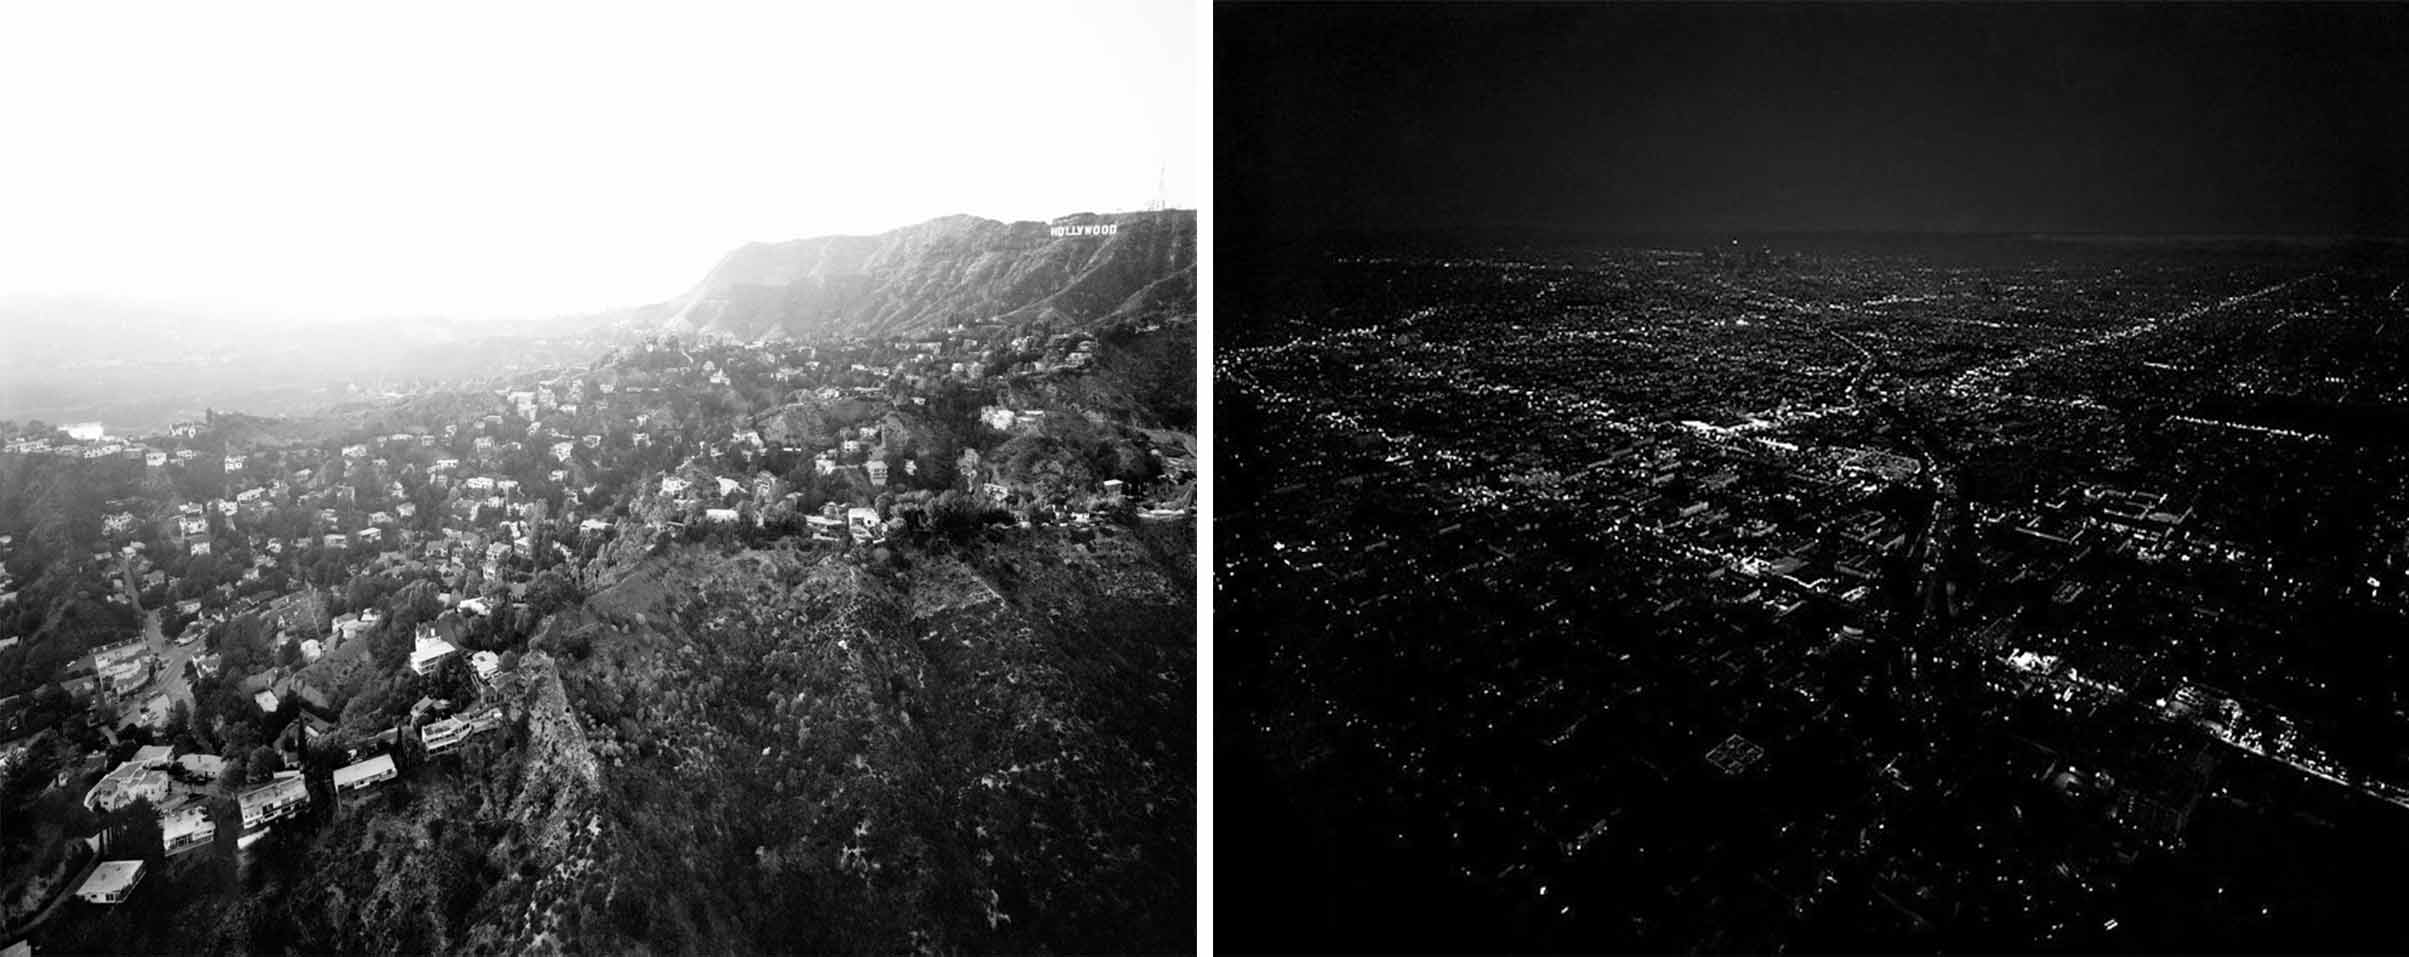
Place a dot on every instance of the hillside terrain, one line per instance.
(760, 750)
(702, 645)
(948, 271)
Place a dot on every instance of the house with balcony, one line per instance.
(185, 829)
(430, 652)
(276, 800)
(448, 733)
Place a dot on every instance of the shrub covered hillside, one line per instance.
(991, 750)
(776, 750)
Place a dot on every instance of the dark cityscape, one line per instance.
(1855, 478)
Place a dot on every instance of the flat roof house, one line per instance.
(448, 733)
(487, 664)
(365, 774)
(110, 882)
(181, 831)
(274, 800)
(124, 785)
(430, 652)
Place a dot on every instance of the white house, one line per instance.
(275, 800)
(446, 734)
(865, 524)
(183, 830)
(110, 882)
(129, 782)
(364, 774)
(430, 652)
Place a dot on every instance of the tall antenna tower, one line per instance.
(1160, 196)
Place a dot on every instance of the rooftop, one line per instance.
(353, 773)
(111, 878)
(273, 791)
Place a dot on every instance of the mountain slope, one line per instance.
(948, 270)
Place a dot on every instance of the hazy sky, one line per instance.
(525, 159)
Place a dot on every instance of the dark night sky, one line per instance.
(1910, 117)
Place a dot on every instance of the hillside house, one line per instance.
(364, 774)
(448, 733)
(275, 800)
(865, 524)
(185, 829)
(110, 882)
(429, 653)
(128, 782)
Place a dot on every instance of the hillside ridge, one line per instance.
(948, 271)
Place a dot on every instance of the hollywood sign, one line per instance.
(1105, 229)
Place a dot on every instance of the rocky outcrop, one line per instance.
(556, 810)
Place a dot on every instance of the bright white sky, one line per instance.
(531, 159)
